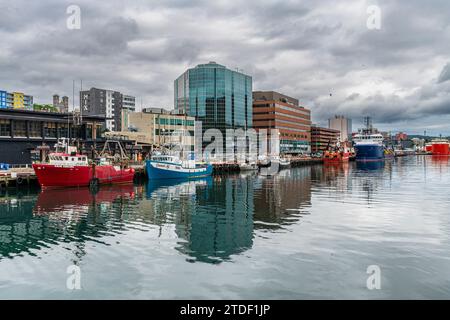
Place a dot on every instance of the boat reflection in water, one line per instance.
(214, 217)
(61, 200)
(35, 222)
(370, 165)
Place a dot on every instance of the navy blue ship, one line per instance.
(369, 144)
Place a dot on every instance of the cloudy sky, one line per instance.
(318, 51)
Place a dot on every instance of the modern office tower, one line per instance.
(218, 97)
(273, 110)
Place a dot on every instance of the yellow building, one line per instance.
(18, 100)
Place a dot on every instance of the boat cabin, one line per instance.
(165, 158)
(368, 138)
(68, 159)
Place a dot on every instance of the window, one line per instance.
(19, 129)
(63, 132)
(50, 129)
(35, 129)
(5, 128)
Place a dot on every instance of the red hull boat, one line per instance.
(440, 147)
(336, 157)
(66, 170)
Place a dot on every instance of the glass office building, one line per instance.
(219, 97)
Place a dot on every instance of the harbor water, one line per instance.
(305, 233)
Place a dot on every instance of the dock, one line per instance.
(17, 175)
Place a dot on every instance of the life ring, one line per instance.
(19, 180)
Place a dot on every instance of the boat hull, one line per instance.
(440, 149)
(337, 158)
(50, 175)
(160, 170)
(369, 152)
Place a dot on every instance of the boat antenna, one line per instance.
(81, 109)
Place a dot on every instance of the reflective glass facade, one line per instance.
(219, 97)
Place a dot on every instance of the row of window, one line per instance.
(41, 129)
(293, 135)
(166, 132)
(175, 121)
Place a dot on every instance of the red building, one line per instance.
(401, 136)
(272, 110)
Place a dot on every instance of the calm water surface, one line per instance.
(305, 233)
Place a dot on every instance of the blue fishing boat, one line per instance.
(171, 167)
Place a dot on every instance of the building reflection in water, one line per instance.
(215, 215)
(208, 219)
(283, 198)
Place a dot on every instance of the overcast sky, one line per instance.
(320, 52)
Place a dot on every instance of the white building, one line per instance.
(342, 124)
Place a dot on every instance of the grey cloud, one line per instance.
(303, 48)
(445, 74)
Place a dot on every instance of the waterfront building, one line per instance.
(218, 97)
(15, 100)
(321, 138)
(62, 105)
(159, 127)
(21, 131)
(109, 104)
(128, 106)
(343, 124)
(273, 110)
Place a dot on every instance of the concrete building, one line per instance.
(219, 97)
(160, 127)
(321, 138)
(62, 105)
(342, 124)
(15, 100)
(109, 104)
(273, 110)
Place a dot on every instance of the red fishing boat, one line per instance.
(336, 156)
(70, 169)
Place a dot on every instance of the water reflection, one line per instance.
(370, 165)
(237, 229)
(282, 199)
(36, 222)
